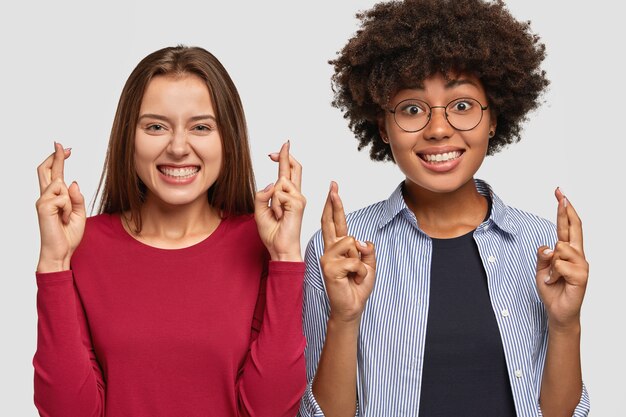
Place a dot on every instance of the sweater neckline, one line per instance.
(116, 220)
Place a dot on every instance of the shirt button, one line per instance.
(505, 313)
(491, 259)
(518, 373)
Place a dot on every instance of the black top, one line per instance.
(464, 370)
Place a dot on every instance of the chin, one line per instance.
(182, 199)
(445, 184)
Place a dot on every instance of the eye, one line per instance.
(412, 109)
(155, 128)
(461, 105)
(202, 129)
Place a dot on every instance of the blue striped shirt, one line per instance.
(393, 325)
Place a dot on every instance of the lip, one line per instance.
(440, 167)
(182, 180)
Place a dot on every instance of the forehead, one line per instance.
(442, 87)
(174, 91)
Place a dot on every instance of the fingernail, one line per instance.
(77, 187)
(273, 154)
(565, 202)
(67, 149)
(547, 279)
(362, 244)
(331, 186)
(547, 251)
(268, 186)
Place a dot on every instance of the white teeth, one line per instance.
(179, 172)
(442, 157)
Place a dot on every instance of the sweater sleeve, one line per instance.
(68, 379)
(272, 379)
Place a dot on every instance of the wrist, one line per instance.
(48, 264)
(45, 266)
(345, 324)
(568, 330)
(293, 256)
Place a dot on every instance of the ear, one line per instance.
(382, 130)
(493, 123)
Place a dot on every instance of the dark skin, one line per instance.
(442, 195)
(349, 268)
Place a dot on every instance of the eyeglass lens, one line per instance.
(413, 115)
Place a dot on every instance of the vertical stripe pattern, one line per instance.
(393, 326)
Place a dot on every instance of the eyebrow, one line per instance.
(460, 81)
(450, 84)
(165, 119)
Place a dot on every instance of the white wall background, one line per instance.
(63, 65)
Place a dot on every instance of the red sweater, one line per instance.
(132, 330)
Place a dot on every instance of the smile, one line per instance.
(179, 173)
(440, 157)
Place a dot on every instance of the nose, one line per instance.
(179, 144)
(438, 128)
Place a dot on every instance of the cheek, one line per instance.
(144, 154)
(401, 144)
(481, 139)
(210, 151)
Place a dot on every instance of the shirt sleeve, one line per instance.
(272, 379)
(68, 380)
(583, 407)
(316, 310)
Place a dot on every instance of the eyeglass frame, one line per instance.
(445, 113)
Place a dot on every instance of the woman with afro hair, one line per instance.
(442, 300)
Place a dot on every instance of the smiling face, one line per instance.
(439, 158)
(178, 149)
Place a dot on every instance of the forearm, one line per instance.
(561, 385)
(334, 385)
(65, 381)
(274, 375)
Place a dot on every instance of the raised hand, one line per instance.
(562, 273)
(348, 265)
(61, 213)
(279, 208)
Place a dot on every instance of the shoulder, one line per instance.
(242, 232)
(103, 232)
(526, 226)
(242, 226)
(102, 225)
(366, 217)
(531, 226)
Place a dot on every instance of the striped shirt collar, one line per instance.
(396, 205)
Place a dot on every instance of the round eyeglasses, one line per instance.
(413, 115)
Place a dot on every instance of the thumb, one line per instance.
(544, 257)
(368, 254)
(77, 199)
(262, 198)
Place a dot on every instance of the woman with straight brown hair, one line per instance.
(183, 296)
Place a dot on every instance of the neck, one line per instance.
(174, 226)
(446, 215)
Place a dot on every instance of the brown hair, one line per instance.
(400, 43)
(233, 191)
